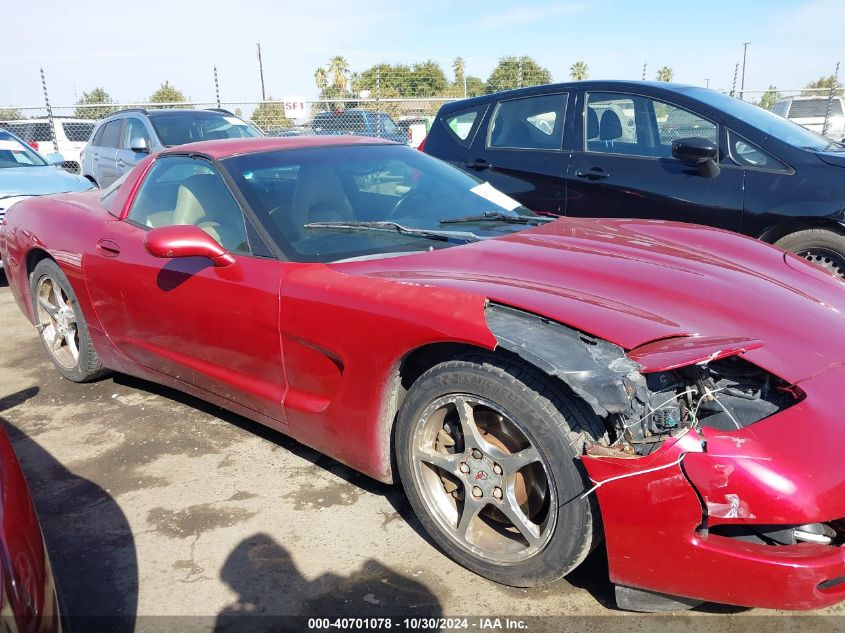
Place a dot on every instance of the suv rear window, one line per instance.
(802, 108)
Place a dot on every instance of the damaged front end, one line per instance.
(654, 392)
(696, 499)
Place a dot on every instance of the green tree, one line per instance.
(168, 94)
(392, 79)
(270, 115)
(10, 114)
(579, 70)
(337, 70)
(475, 86)
(459, 69)
(427, 80)
(85, 110)
(824, 83)
(321, 78)
(516, 72)
(665, 73)
(769, 98)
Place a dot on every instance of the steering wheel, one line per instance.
(408, 201)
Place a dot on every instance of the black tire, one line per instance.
(87, 366)
(823, 247)
(556, 423)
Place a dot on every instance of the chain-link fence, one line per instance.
(817, 109)
(67, 129)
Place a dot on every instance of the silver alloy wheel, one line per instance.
(57, 322)
(482, 479)
(828, 259)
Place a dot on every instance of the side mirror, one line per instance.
(54, 158)
(698, 151)
(186, 240)
(139, 145)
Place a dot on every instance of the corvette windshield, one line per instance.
(332, 203)
(13, 153)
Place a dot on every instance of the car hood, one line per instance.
(631, 282)
(37, 180)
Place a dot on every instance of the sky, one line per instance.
(131, 48)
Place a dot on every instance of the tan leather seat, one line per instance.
(203, 200)
(318, 197)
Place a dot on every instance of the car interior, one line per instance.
(201, 199)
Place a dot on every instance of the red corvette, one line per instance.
(536, 385)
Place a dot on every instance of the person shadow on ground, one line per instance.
(274, 596)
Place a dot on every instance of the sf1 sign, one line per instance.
(295, 107)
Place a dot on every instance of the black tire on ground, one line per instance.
(823, 247)
(87, 366)
(550, 418)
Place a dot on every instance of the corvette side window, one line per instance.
(187, 190)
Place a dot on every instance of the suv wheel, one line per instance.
(823, 247)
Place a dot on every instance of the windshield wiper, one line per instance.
(393, 227)
(498, 216)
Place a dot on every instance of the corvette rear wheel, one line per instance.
(487, 453)
(61, 324)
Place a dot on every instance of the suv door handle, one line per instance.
(120, 163)
(96, 157)
(478, 163)
(595, 173)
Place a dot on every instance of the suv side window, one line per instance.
(185, 190)
(462, 124)
(111, 135)
(529, 123)
(634, 125)
(134, 128)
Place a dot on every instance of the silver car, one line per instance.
(25, 173)
(125, 138)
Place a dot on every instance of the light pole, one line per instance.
(742, 81)
(707, 79)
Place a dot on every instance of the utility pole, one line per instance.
(644, 69)
(261, 72)
(742, 82)
(733, 86)
(49, 112)
(216, 87)
(707, 79)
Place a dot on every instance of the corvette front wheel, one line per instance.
(61, 324)
(488, 455)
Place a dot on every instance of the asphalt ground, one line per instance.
(162, 512)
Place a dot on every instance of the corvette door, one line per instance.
(216, 328)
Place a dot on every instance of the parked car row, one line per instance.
(654, 150)
(67, 137)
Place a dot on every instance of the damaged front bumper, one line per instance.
(663, 513)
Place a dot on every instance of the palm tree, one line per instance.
(459, 66)
(665, 73)
(338, 70)
(322, 80)
(579, 70)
